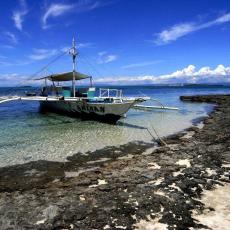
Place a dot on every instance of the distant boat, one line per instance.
(24, 86)
(30, 94)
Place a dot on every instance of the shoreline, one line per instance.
(125, 187)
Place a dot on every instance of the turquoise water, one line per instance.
(27, 135)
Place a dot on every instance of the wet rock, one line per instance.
(161, 149)
(194, 129)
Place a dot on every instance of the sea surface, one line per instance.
(28, 135)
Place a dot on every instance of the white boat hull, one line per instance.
(107, 112)
(105, 109)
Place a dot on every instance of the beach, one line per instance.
(133, 186)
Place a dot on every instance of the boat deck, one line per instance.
(95, 100)
(58, 98)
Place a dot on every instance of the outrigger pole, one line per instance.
(73, 52)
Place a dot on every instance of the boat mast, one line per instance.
(73, 52)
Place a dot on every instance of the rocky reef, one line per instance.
(137, 185)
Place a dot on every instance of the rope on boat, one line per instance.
(50, 63)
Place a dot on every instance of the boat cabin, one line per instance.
(67, 91)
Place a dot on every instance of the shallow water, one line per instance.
(27, 135)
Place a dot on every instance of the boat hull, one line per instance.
(103, 112)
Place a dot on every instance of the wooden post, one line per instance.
(74, 54)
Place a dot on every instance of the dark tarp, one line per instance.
(65, 76)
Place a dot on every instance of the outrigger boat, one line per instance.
(109, 106)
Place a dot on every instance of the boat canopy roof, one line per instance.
(68, 76)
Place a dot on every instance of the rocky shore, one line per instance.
(134, 186)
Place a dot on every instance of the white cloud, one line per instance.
(18, 15)
(41, 54)
(10, 37)
(85, 45)
(7, 46)
(141, 64)
(55, 10)
(65, 49)
(58, 9)
(6, 63)
(223, 18)
(37, 55)
(173, 33)
(220, 74)
(15, 79)
(79, 45)
(177, 31)
(204, 73)
(110, 58)
(104, 57)
(11, 79)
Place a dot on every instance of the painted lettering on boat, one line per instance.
(88, 108)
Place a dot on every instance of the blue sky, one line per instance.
(119, 41)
